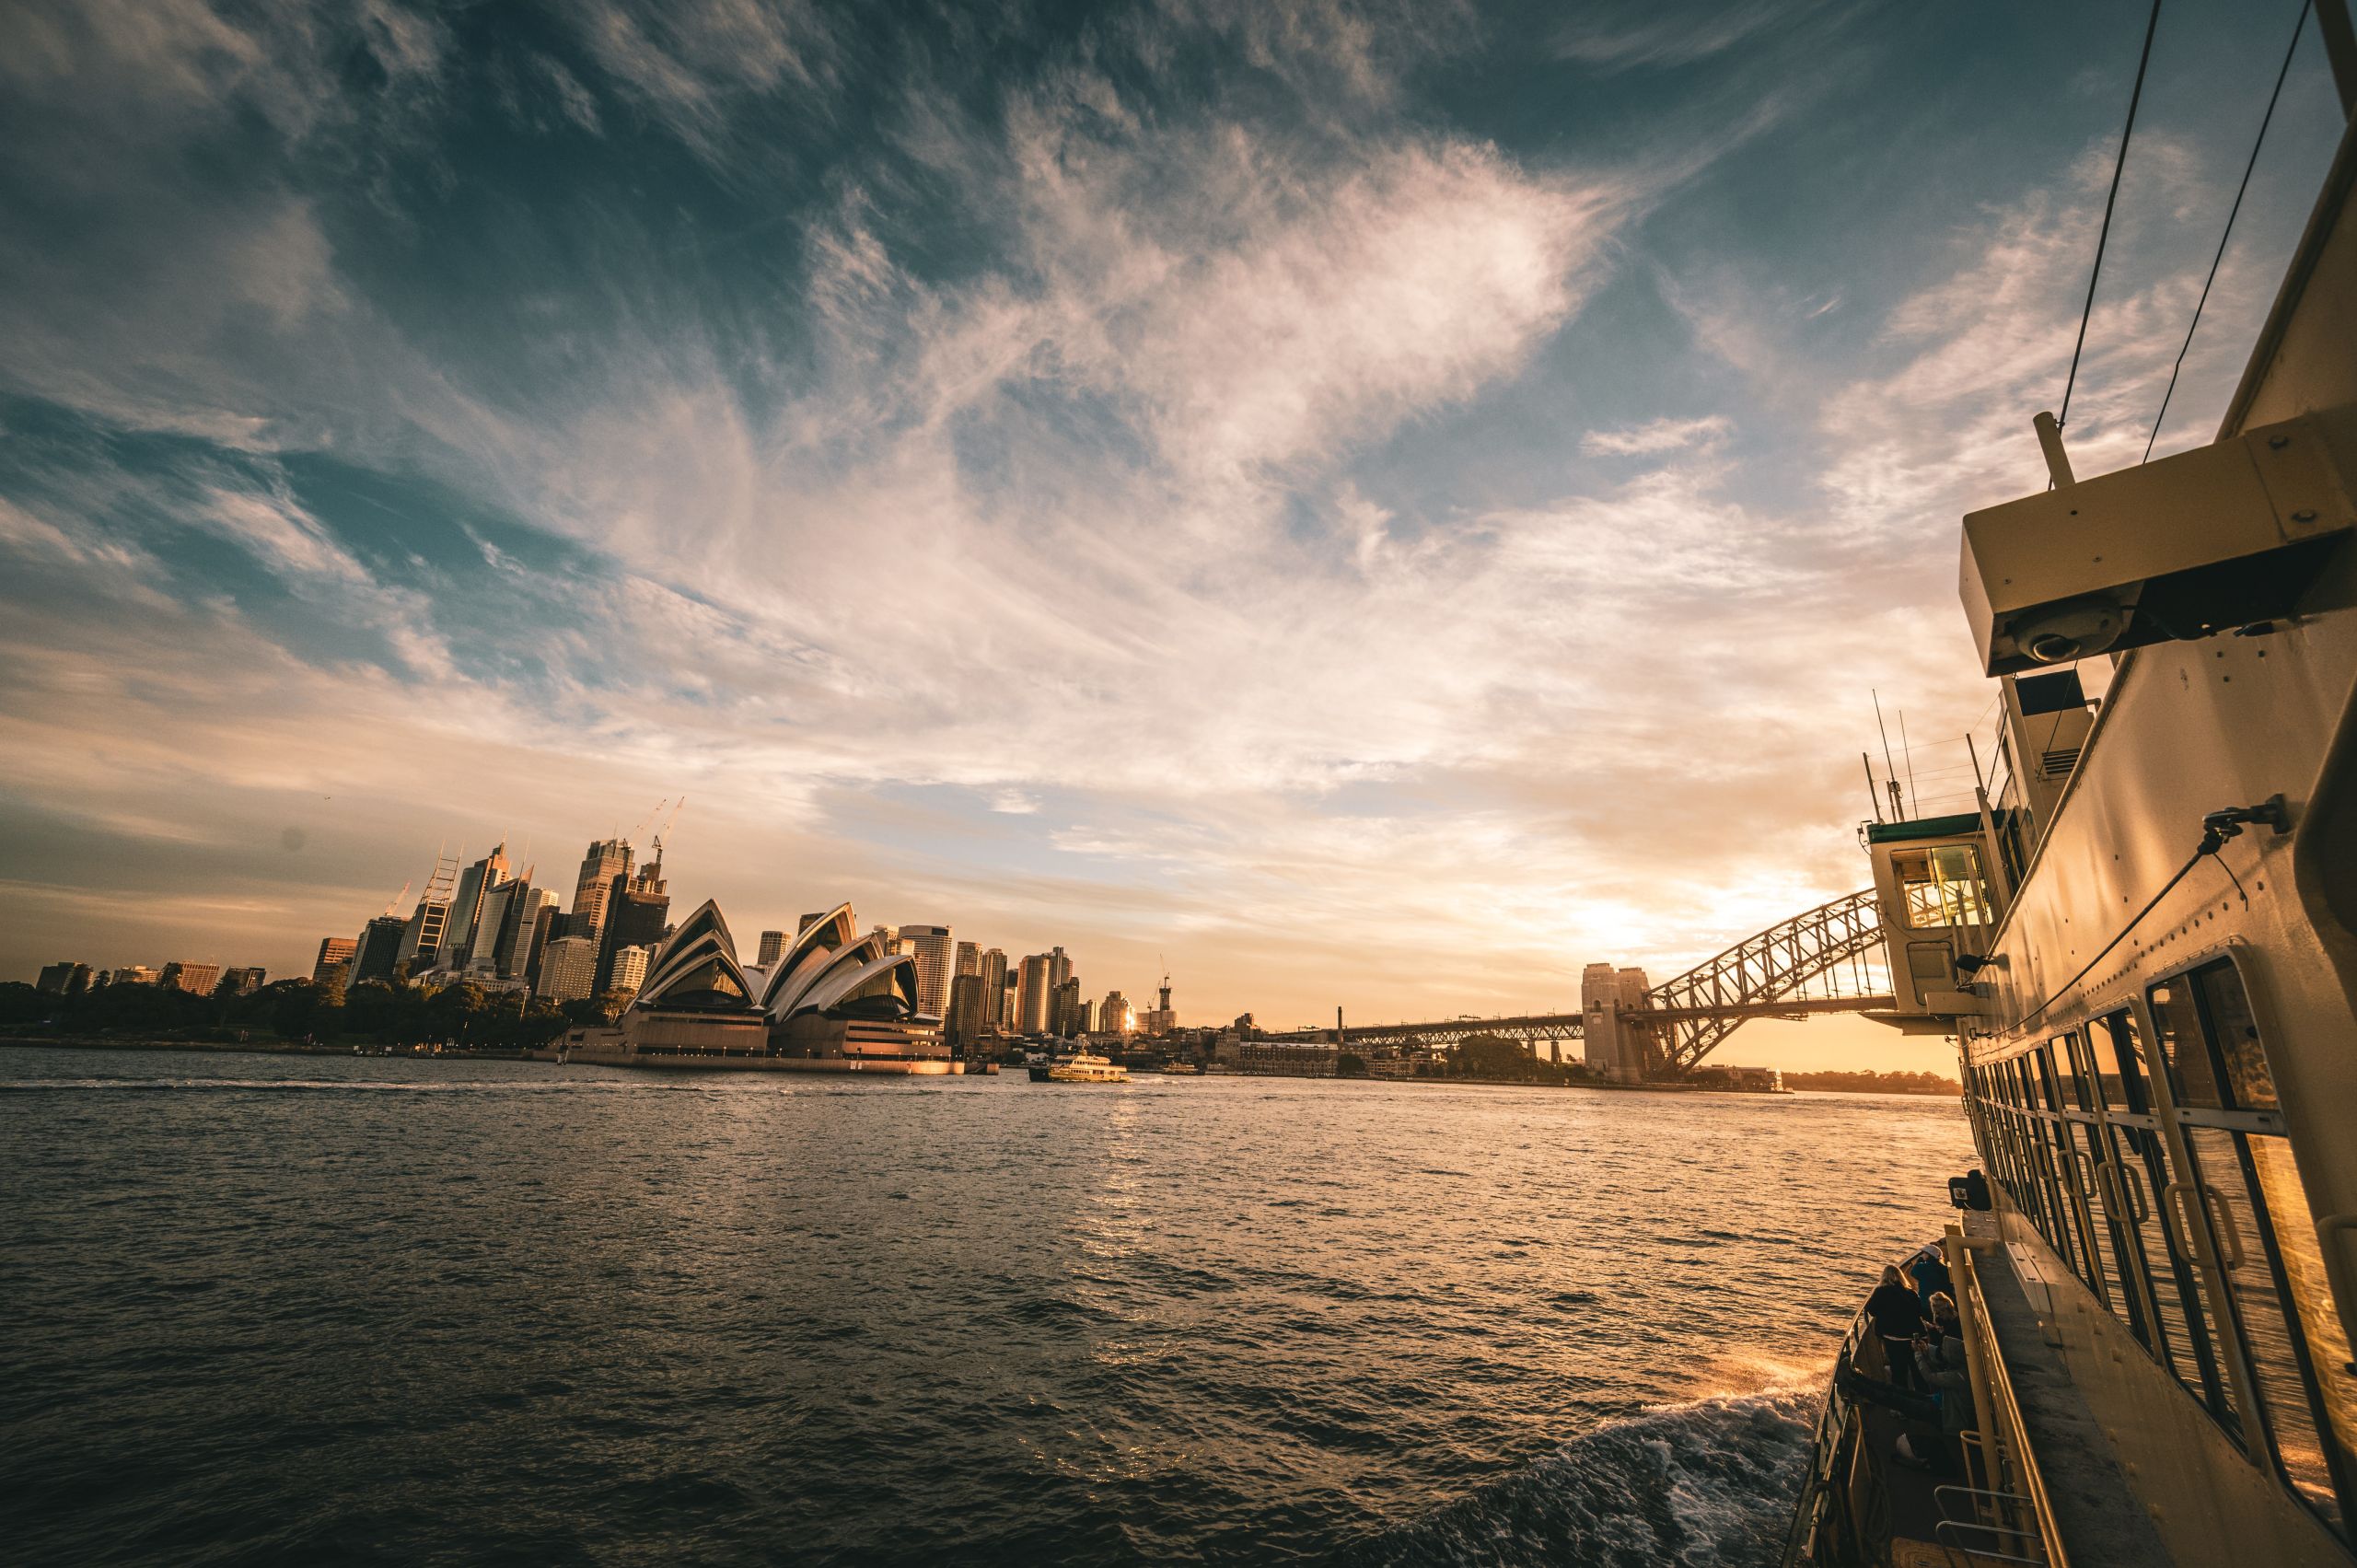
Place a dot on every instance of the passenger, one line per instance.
(1940, 1365)
(1943, 1365)
(1929, 1269)
(1898, 1317)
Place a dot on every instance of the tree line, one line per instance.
(297, 1011)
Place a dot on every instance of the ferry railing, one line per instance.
(2014, 1503)
(1823, 1507)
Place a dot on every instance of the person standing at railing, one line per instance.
(1940, 1366)
(1897, 1316)
(1929, 1269)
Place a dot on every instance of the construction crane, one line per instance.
(666, 828)
(395, 903)
(641, 826)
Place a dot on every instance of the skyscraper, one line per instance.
(607, 859)
(379, 949)
(422, 943)
(774, 946)
(1032, 995)
(1058, 966)
(334, 959)
(466, 907)
(239, 983)
(935, 953)
(511, 922)
(1065, 1009)
(964, 1025)
(638, 913)
(991, 967)
(969, 959)
(1113, 1014)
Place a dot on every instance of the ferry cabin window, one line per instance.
(2257, 1212)
(2187, 1339)
(1941, 886)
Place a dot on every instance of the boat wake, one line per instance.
(1711, 1483)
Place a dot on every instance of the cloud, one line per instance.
(1657, 437)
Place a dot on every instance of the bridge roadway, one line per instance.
(1536, 1028)
(1821, 960)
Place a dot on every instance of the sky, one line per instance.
(1362, 504)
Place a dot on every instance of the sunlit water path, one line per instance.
(288, 1309)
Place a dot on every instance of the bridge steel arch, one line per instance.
(1817, 962)
(1821, 960)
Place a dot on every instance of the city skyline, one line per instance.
(1382, 509)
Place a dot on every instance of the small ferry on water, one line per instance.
(2144, 936)
(1088, 1067)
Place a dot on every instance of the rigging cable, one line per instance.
(2103, 236)
(2298, 28)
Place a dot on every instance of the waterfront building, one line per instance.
(568, 969)
(59, 978)
(378, 949)
(773, 944)
(969, 958)
(1032, 995)
(466, 907)
(629, 971)
(1160, 1018)
(335, 954)
(1113, 1015)
(606, 859)
(1286, 1059)
(239, 983)
(935, 953)
(638, 915)
(832, 1000)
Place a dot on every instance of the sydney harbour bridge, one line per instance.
(1828, 959)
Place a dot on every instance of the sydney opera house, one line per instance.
(834, 1001)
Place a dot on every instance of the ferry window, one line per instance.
(2234, 1034)
(2073, 1048)
(2188, 1332)
(2177, 1017)
(1941, 886)
(2275, 1275)
(2119, 1057)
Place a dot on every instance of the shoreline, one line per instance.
(521, 1054)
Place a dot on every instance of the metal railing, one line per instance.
(2015, 1504)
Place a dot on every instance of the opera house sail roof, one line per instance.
(828, 971)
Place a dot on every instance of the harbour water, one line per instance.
(288, 1309)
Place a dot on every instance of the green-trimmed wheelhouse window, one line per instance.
(2256, 1211)
(1941, 886)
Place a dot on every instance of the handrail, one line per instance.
(1997, 1404)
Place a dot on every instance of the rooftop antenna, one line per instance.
(1909, 752)
(1890, 773)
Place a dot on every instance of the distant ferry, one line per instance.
(1089, 1068)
